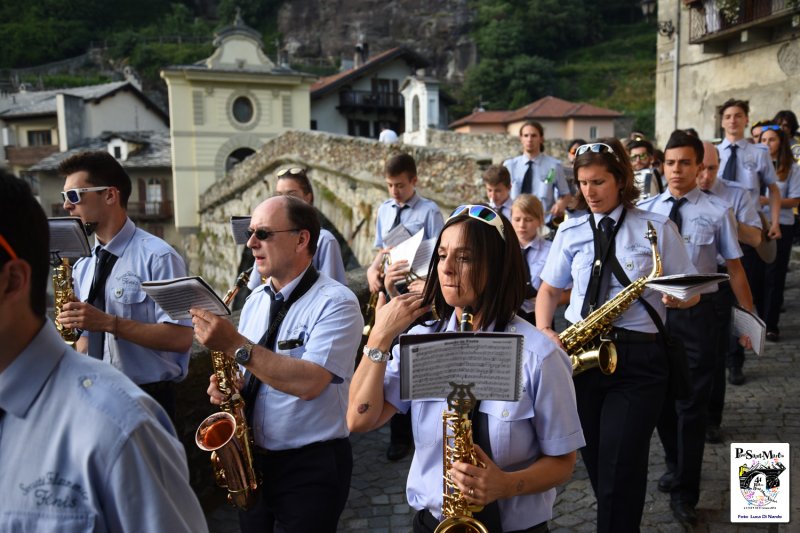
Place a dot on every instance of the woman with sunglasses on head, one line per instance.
(532, 442)
(618, 411)
(769, 296)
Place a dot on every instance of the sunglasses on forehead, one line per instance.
(73, 196)
(767, 127)
(597, 148)
(265, 235)
(7, 247)
(292, 171)
(482, 213)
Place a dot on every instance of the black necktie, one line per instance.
(251, 385)
(490, 515)
(675, 214)
(97, 297)
(601, 276)
(730, 167)
(530, 292)
(397, 216)
(527, 180)
(274, 309)
(607, 227)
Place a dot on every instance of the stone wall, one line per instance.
(347, 174)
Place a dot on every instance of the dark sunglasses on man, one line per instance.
(265, 235)
(73, 196)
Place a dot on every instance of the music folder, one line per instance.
(430, 364)
(177, 296)
(68, 238)
(239, 226)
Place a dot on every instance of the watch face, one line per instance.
(242, 355)
(376, 355)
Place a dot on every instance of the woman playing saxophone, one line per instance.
(618, 411)
(531, 443)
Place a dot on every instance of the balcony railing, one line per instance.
(370, 100)
(714, 18)
(138, 211)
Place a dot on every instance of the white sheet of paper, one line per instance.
(746, 323)
(430, 363)
(684, 286)
(68, 238)
(407, 249)
(396, 236)
(177, 296)
(422, 260)
(239, 226)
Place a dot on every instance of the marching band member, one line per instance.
(618, 411)
(531, 443)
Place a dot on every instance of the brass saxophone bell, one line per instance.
(460, 524)
(604, 358)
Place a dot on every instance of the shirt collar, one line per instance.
(412, 202)
(286, 291)
(120, 241)
(615, 214)
(535, 244)
(23, 379)
(692, 196)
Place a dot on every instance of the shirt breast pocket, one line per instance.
(426, 418)
(637, 265)
(509, 428)
(130, 303)
(582, 273)
(700, 239)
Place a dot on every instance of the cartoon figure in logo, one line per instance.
(759, 482)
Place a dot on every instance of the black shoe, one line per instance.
(713, 435)
(397, 451)
(735, 375)
(684, 513)
(773, 336)
(666, 481)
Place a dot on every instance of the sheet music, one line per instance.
(239, 226)
(407, 249)
(68, 238)
(490, 361)
(396, 236)
(685, 286)
(177, 296)
(746, 323)
(422, 260)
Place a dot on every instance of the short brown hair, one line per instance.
(302, 215)
(399, 164)
(735, 103)
(102, 170)
(497, 175)
(619, 166)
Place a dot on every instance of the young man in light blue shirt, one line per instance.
(83, 448)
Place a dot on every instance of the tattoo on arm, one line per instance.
(520, 486)
(363, 408)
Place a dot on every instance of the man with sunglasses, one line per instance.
(297, 339)
(83, 449)
(121, 324)
(647, 178)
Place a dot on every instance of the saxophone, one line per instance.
(64, 292)
(226, 434)
(457, 446)
(580, 340)
(369, 311)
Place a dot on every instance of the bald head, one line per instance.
(707, 177)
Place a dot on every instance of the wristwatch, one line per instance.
(243, 353)
(375, 354)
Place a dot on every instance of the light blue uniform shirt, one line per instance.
(572, 254)
(142, 257)
(549, 183)
(327, 260)
(739, 198)
(328, 322)
(83, 449)
(753, 165)
(504, 209)
(789, 189)
(535, 257)
(543, 422)
(708, 228)
(421, 213)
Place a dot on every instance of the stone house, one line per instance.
(561, 119)
(713, 50)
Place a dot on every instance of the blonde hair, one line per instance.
(530, 205)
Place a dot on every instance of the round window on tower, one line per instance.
(243, 110)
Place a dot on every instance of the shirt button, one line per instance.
(87, 383)
(505, 414)
(513, 328)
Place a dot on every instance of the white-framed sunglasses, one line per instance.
(597, 148)
(73, 196)
(482, 213)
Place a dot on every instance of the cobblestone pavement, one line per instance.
(765, 409)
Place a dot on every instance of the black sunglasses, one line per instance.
(265, 235)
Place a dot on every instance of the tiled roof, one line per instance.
(327, 84)
(33, 103)
(548, 107)
(483, 117)
(154, 153)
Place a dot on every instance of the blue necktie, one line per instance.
(730, 167)
(397, 216)
(675, 214)
(97, 297)
(527, 180)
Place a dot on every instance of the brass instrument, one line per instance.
(457, 445)
(369, 311)
(226, 434)
(580, 340)
(64, 292)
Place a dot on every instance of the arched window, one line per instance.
(236, 157)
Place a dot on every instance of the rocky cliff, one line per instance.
(330, 29)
